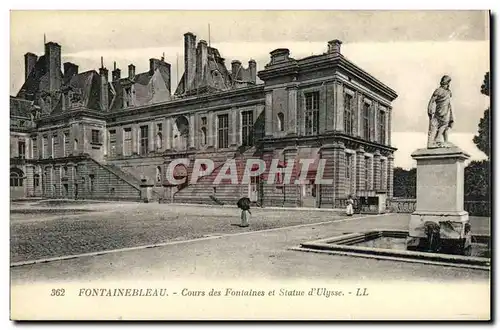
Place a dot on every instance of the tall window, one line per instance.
(112, 143)
(381, 127)
(75, 145)
(143, 147)
(348, 110)
(223, 131)
(368, 167)
(366, 121)
(203, 129)
(36, 180)
(66, 150)
(21, 149)
(158, 174)
(281, 121)
(127, 99)
(247, 128)
(312, 113)
(96, 136)
(45, 152)
(127, 141)
(35, 148)
(159, 136)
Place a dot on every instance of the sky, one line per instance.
(407, 50)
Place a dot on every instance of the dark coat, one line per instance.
(244, 203)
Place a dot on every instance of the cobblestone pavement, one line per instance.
(251, 255)
(39, 232)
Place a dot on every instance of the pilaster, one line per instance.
(360, 169)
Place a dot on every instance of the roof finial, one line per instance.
(44, 39)
(114, 65)
(102, 62)
(208, 34)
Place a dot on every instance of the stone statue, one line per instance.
(440, 116)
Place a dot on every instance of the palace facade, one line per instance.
(86, 135)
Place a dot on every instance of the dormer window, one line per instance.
(127, 97)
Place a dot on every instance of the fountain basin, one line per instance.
(392, 245)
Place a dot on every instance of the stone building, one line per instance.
(83, 135)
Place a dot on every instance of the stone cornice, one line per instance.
(349, 141)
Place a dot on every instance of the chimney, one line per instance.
(131, 71)
(189, 60)
(103, 72)
(116, 73)
(29, 63)
(201, 61)
(153, 65)
(168, 78)
(53, 65)
(252, 66)
(70, 69)
(334, 46)
(235, 68)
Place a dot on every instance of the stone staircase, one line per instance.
(204, 191)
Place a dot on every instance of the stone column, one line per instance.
(233, 115)
(191, 131)
(388, 125)
(269, 114)
(84, 139)
(322, 110)
(339, 108)
(291, 125)
(152, 137)
(357, 130)
(135, 139)
(374, 121)
(376, 171)
(210, 130)
(327, 193)
(119, 141)
(167, 122)
(340, 171)
(330, 107)
(291, 194)
(390, 176)
(360, 169)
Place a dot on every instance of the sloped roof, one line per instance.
(20, 107)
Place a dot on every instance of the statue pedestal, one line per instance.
(440, 195)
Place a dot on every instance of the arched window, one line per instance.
(75, 145)
(158, 174)
(281, 121)
(203, 136)
(16, 177)
(158, 141)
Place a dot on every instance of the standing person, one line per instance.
(244, 205)
(350, 206)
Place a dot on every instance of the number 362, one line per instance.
(57, 292)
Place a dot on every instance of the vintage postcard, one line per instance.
(250, 165)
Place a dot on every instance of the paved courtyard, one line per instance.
(204, 244)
